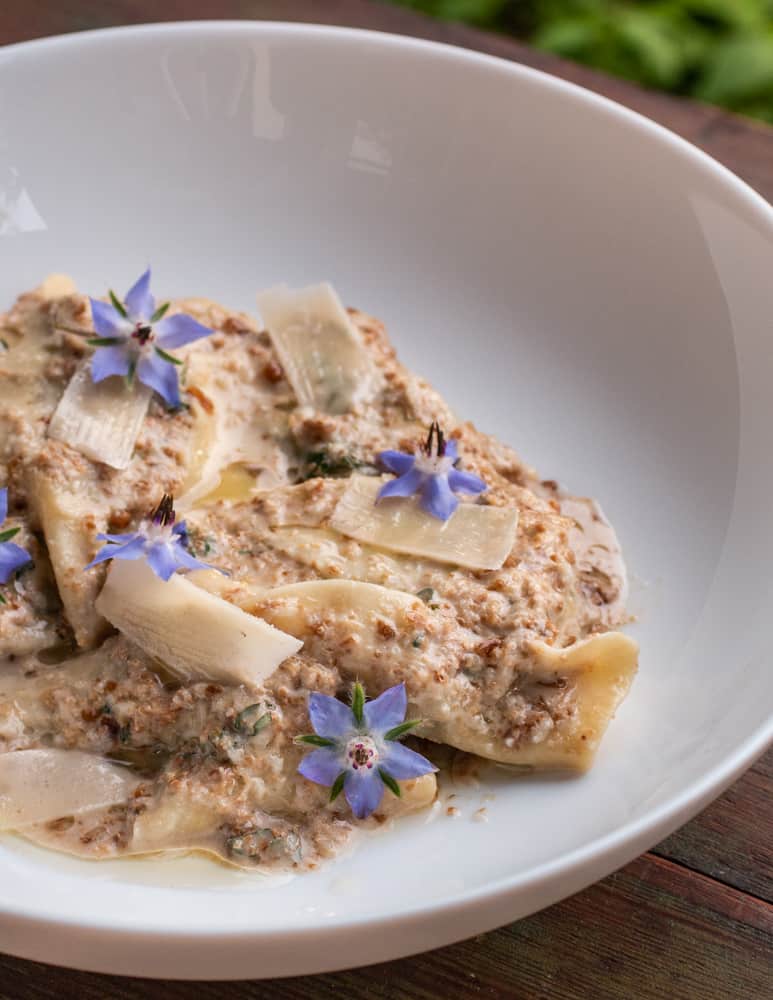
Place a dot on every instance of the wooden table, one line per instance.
(690, 919)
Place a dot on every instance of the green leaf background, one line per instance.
(720, 51)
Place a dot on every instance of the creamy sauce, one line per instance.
(486, 655)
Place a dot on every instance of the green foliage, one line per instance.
(719, 51)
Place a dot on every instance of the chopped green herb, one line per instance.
(249, 723)
(418, 639)
(323, 464)
(102, 341)
(8, 534)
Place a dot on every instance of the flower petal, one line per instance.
(465, 482)
(329, 716)
(118, 539)
(403, 486)
(129, 550)
(403, 763)
(364, 791)
(386, 711)
(162, 559)
(3, 504)
(451, 449)
(108, 322)
(140, 304)
(187, 561)
(178, 330)
(397, 461)
(321, 766)
(162, 376)
(437, 498)
(12, 557)
(107, 361)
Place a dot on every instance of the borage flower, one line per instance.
(158, 540)
(12, 556)
(135, 337)
(432, 474)
(358, 752)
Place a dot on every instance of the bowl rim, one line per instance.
(602, 855)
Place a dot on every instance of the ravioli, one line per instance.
(499, 621)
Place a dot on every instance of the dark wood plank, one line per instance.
(743, 145)
(732, 840)
(652, 931)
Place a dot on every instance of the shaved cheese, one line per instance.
(195, 633)
(37, 786)
(474, 536)
(319, 347)
(101, 420)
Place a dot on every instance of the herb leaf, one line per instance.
(117, 304)
(131, 373)
(358, 703)
(397, 732)
(390, 782)
(338, 786)
(246, 723)
(8, 534)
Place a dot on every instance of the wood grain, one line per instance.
(691, 920)
(653, 931)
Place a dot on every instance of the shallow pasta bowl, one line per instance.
(574, 278)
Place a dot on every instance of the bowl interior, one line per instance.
(574, 279)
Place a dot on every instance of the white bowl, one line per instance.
(574, 278)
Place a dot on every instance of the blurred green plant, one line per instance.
(720, 51)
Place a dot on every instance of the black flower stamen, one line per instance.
(435, 435)
(143, 333)
(164, 513)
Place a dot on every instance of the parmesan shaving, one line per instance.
(37, 786)
(475, 536)
(319, 347)
(195, 633)
(101, 420)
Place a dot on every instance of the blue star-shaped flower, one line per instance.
(432, 473)
(135, 337)
(12, 556)
(161, 542)
(358, 749)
